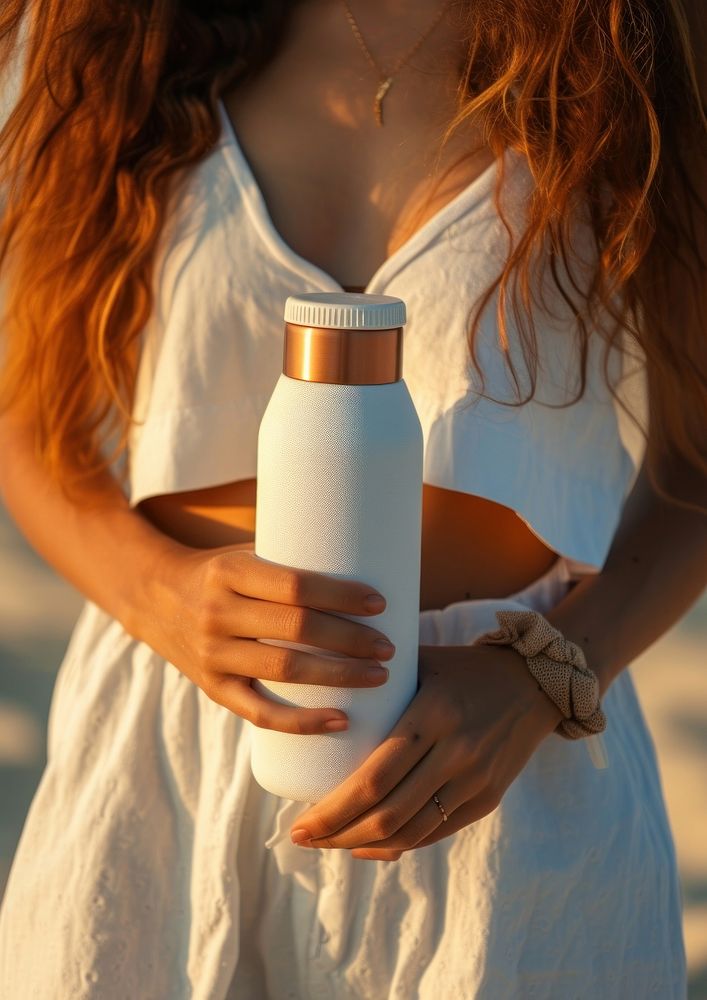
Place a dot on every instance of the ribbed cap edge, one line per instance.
(345, 311)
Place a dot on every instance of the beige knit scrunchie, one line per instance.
(559, 667)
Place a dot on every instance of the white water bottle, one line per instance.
(339, 491)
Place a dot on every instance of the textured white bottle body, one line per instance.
(339, 491)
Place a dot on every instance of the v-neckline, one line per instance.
(245, 178)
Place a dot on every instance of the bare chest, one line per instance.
(342, 191)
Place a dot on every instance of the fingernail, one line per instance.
(299, 835)
(374, 602)
(336, 725)
(383, 647)
(376, 674)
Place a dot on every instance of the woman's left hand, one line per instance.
(474, 722)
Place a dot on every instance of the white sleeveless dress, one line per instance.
(153, 867)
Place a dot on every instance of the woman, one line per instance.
(172, 171)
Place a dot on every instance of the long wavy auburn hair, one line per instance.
(605, 98)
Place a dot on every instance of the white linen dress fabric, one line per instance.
(152, 865)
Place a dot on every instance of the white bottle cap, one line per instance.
(345, 311)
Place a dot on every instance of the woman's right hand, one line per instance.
(212, 604)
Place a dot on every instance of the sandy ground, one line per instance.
(37, 612)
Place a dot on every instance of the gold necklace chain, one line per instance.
(386, 78)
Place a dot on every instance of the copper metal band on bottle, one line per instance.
(343, 357)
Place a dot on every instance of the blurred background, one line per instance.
(38, 611)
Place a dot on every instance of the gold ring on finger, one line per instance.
(440, 807)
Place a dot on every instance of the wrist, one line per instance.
(539, 703)
(592, 616)
(546, 711)
(155, 585)
(557, 665)
(543, 709)
(595, 645)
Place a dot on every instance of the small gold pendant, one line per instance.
(378, 100)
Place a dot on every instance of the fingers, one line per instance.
(253, 576)
(236, 694)
(229, 599)
(466, 814)
(360, 802)
(397, 820)
(261, 619)
(429, 818)
(470, 812)
(271, 661)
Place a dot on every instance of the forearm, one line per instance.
(656, 569)
(106, 550)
